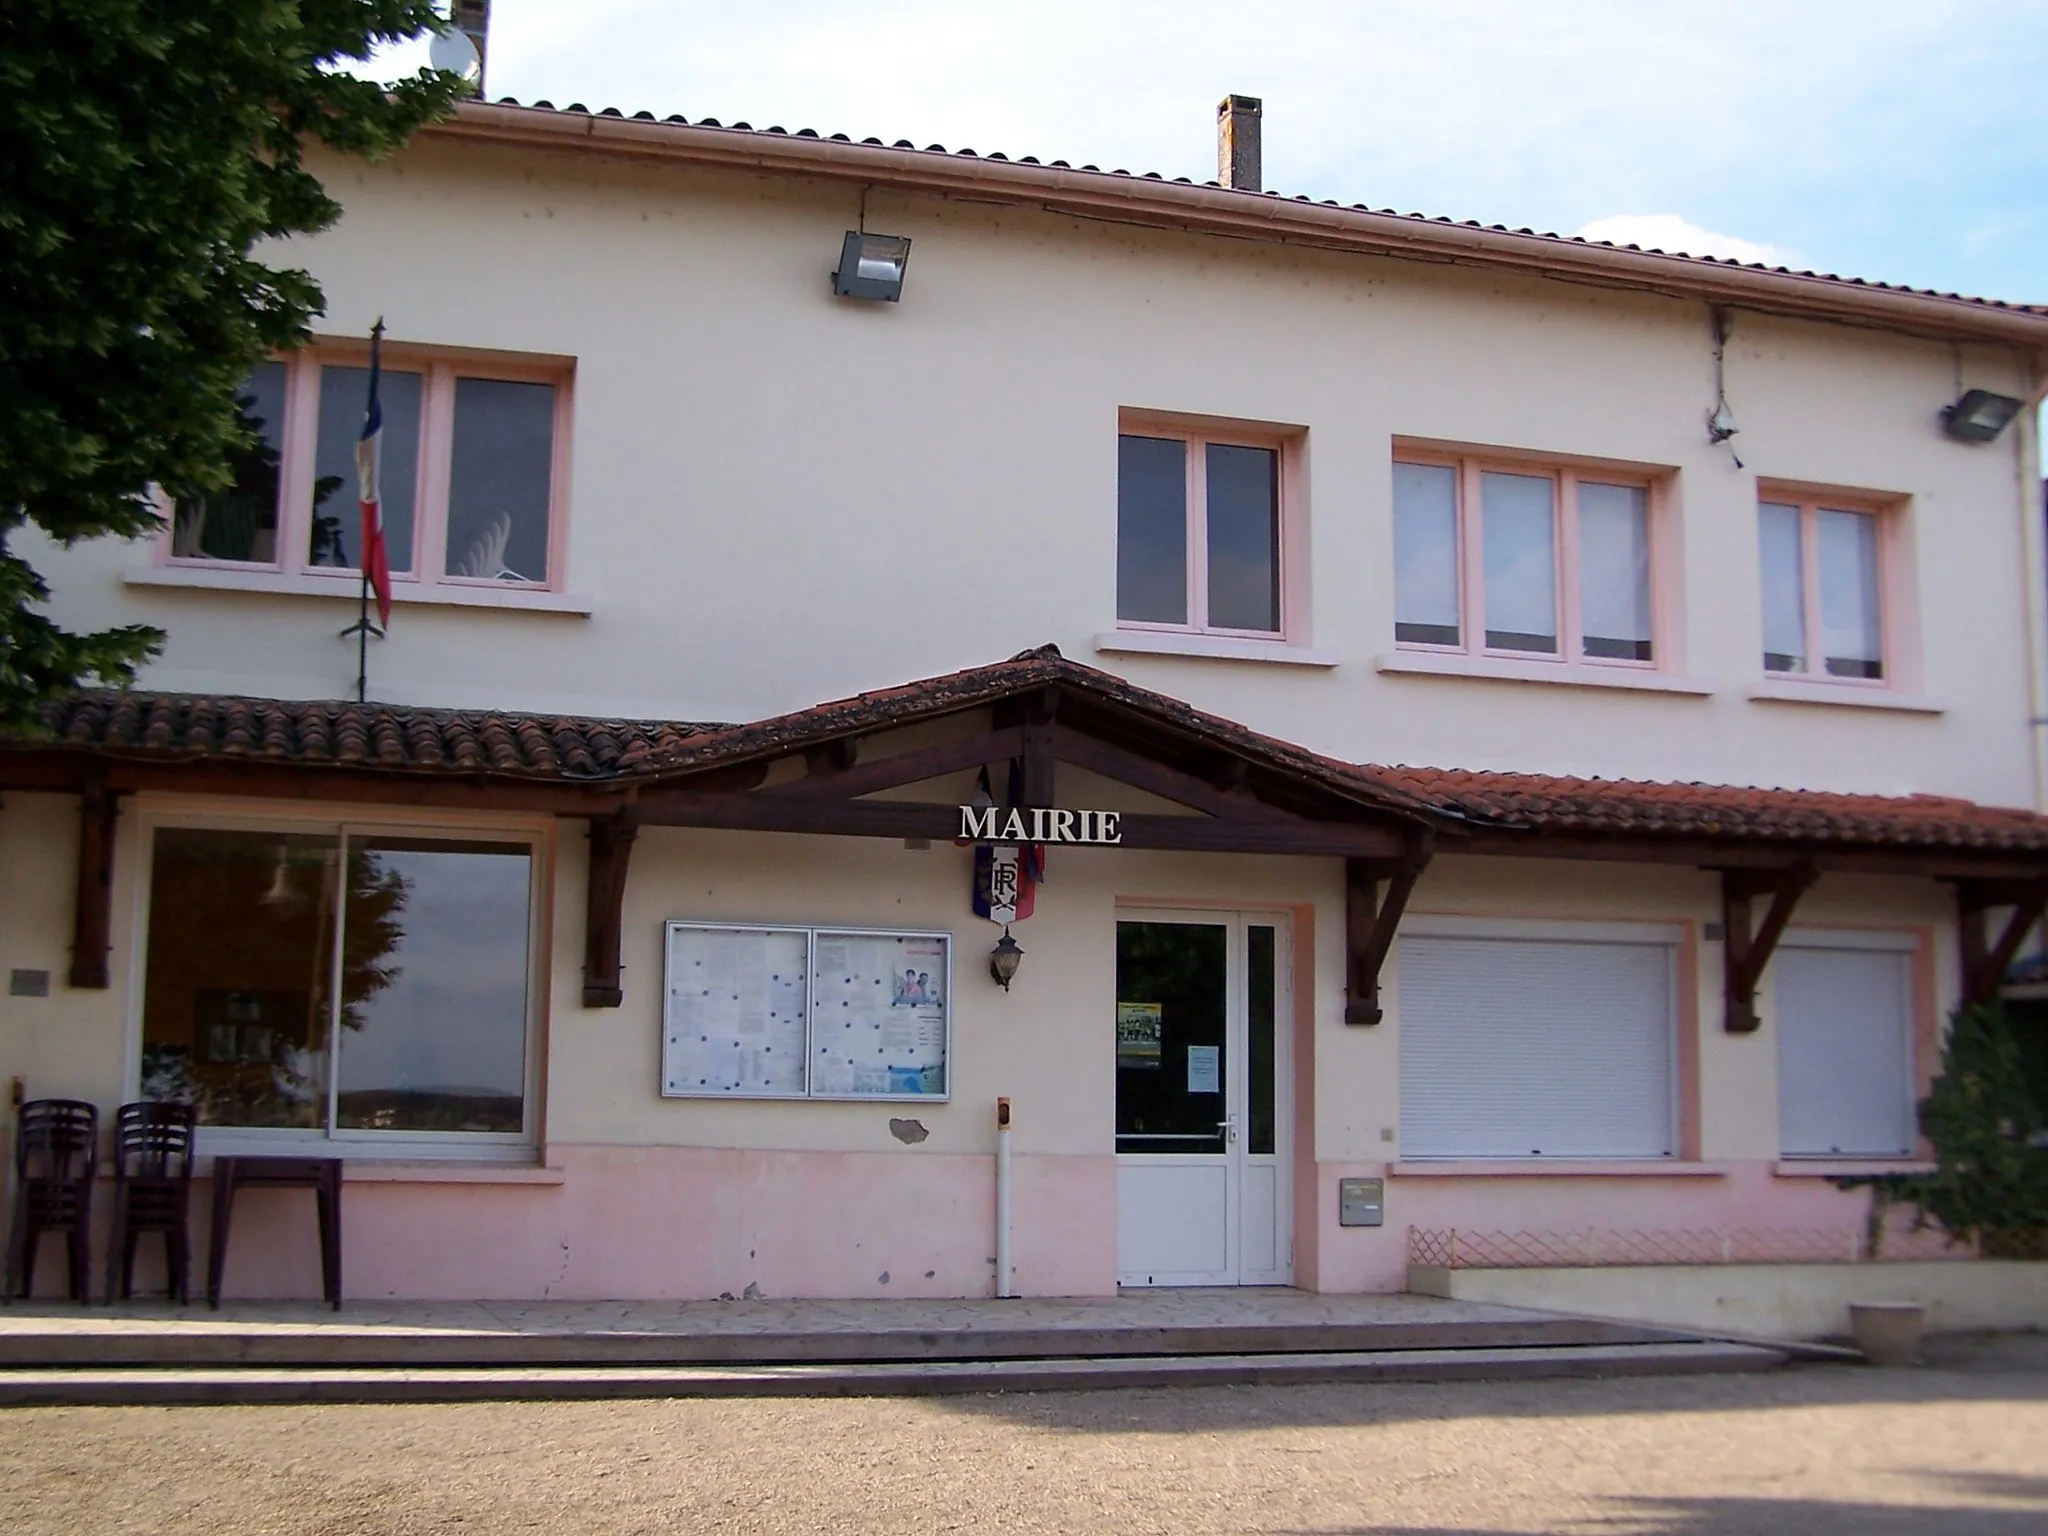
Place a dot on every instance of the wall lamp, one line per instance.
(1004, 959)
(1979, 416)
(871, 266)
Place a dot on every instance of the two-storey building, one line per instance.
(1445, 755)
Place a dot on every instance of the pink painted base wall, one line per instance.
(673, 1224)
(1747, 1197)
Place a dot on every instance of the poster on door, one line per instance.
(1205, 1069)
(1139, 1027)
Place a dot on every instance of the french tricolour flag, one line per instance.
(369, 462)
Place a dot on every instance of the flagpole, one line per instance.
(361, 627)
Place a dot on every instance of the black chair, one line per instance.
(56, 1153)
(152, 1193)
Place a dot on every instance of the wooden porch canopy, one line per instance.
(816, 771)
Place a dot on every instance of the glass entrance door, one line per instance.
(1201, 1186)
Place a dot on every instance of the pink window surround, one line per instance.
(1898, 610)
(1566, 475)
(426, 580)
(1291, 555)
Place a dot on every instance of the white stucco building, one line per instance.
(1299, 493)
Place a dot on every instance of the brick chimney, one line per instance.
(1237, 143)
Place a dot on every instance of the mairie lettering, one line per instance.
(1038, 824)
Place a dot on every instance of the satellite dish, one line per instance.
(455, 52)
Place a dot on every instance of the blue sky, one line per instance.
(1901, 141)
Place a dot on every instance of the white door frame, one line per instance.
(1255, 1185)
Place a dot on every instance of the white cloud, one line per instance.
(1680, 236)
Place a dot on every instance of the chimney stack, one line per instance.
(1237, 143)
(472, 18)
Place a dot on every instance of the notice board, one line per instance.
(770, 1012)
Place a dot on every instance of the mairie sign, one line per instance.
(1037, 824)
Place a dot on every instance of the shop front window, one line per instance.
(338, 983)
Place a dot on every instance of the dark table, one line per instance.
(322, 1175)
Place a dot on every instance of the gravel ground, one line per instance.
(1958, 1445)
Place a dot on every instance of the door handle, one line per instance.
(1228, 1126)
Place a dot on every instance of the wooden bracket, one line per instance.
(92, 916)
(1369, 923)
(1747, 947)
(611, 850)
(1985, 962)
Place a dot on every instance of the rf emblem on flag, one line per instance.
(1005, 884)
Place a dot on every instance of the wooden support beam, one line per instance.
(1369, 924)
(611, 851)
(890, 772)
(831, 758)
(1985, 961)
(1156, 778)
(1039, 748)
(1746, 946)
(92, 913)
(765, 812)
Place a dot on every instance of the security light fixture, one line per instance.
(871, 266)
(1004, 959)
(1979, 416)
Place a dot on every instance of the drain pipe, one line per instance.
(1003, 1284)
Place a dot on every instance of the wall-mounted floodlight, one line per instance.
(1979, 416)
(871, 266)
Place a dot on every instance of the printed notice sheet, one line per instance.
(879, 1005)
(733, 1016)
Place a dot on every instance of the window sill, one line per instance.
(212, 578)
(452, 1172)
(1845, 1167)
(1146, 642)
(1844, 694)
(1504, 670)
(1558, 1168)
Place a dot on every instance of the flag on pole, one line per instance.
(1006, 875)
(376, 560)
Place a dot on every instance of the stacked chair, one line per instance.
(56, 1158)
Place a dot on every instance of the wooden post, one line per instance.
(611, 851)
(1369, 924)
(1747, 949)
(92, 916)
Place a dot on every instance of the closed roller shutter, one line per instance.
(1535, 1048)
(1845, 1051)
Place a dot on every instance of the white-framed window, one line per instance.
(1825, 564)
(1205, 528)
(474, 477)
(1843, 1012)
(354, 987)
(1531, 1040)
(1524, 560)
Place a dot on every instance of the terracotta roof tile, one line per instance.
(568, 749)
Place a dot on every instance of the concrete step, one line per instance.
(383, 1384)
(198, 1340)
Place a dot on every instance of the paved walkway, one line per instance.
(1196, 1308)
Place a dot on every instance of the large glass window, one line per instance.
(1199, 534)
(1553, 564)
(469, 474)
(1820, 570)
(336, 982)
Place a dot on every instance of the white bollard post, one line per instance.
(1003, 1284)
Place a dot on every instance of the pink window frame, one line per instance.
(1894, 606)
(1564, 478)
(1197, 433)
(440, 367)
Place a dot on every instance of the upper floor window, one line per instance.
(1822, 569)
(1523, 561)
(1202, 531)
(472, 479)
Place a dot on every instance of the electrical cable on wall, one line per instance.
(1721, 419)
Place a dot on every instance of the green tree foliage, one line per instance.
(1987, 1116)
(146, 147)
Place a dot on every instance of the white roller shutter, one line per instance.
(1517, 1048)
(1845, 1051)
